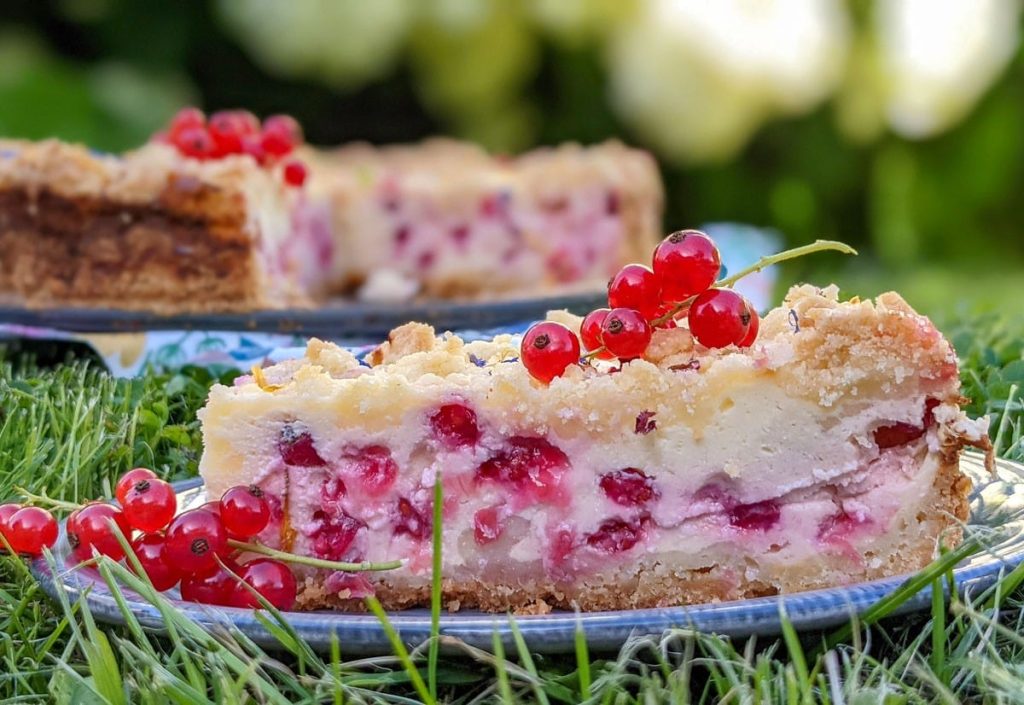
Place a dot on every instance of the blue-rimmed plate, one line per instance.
(336, 319)
(997, 512)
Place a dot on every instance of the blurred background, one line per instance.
(894, 125)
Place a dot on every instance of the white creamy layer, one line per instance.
(761, 445)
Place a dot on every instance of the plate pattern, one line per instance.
(997, 517)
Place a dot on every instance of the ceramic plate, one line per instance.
(997, 508)
(332, 320)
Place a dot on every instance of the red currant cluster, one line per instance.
(192, 548)
(238, 132)
(642, 299)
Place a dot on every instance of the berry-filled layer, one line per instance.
(507, 238)
(444, 218)
(532, 506)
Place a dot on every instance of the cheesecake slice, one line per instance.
(154, 230)
(826, 453)
(446, 219)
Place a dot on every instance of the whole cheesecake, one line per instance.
(826, 453)
(172, 229)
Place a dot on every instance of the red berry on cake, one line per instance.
(719, 317)
(487, 525)
(629, 487)
(752, 328)
(686, 263)
(616, 535)
(635, 287)
(374, 468)
(150, 505)
(128, 481)
(185, 119)
(92, 528)
(195, 539)
(296, 448)
(590, 332)
(228, 127)
(195, 142)
(281, 134)
(295, 173)
(31, 529)
(626, 333)
(548, 349)
(244, 511)
(455, 426)
(149, 549)
(253, 146)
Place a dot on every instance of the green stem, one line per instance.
(435, 586)
(816, 246)
(44, 501)
(310, 561)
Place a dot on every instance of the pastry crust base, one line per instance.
(651, 584)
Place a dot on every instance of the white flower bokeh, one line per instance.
(939, 57)
(697, 78)
(693, 79)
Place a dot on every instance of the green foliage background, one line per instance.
(939, 219)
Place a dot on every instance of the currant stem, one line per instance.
(816, 246)
(310, 561)
(594, 353)
(42, 500)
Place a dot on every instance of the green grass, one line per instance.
(71, 430)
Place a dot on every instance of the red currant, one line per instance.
(253, 146)
(295, 173)
(549, 348)
(455, 426)
(150, 505)
(626, 333)
(227, 127)
(752, 328)
(281, 134)
(6, 512)
(149, 549)
(271, 579)
(212, 506)
(590, 332)
(686, 263)
(185, 119)
(629, 487)
(89, 528)
(635, 287)
(217, 587)
(244, 511)
(30, 530)
(195, 142)
(719, 317)
(194, 541)
(128, 481)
